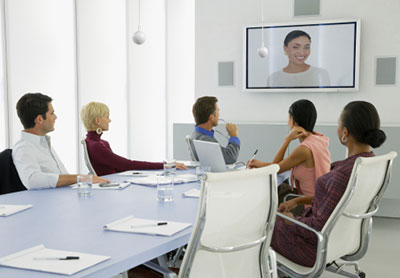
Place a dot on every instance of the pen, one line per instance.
(57, 258)
(150, 225)
(251, 159)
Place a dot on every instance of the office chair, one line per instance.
(345, 237)
(234, 226)
(9, 178)
(190, 148)
(87, 159)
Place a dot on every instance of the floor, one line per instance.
(381, 259)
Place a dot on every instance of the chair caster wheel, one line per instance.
(362, 274)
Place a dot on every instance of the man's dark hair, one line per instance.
(295, 34)
(30, 105)
(304, 114)
(203, 108)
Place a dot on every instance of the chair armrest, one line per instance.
(362, 216)
(233, 248)
(320, 259)
(291, 195)
(301, 224)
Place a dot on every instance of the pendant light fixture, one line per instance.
(262, 51)
(139, 37)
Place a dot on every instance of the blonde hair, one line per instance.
(90, 112)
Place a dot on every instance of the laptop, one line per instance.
(210, 155)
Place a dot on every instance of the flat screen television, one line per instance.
(312, 56)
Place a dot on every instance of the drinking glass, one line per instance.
(165, 188)
(84, 185)
(169, 168)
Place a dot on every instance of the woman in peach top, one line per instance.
(311, 159)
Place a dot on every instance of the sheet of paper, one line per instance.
(189, 164)
(44, 259)
(192, 193)
(6, 210)
(152, 180)
(133, 224)
(282, 176)
(136, 173)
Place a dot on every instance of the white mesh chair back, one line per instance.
(234, 225)
(190, 148)
(87, 159)
(349, 222)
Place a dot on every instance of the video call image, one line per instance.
(302, 56)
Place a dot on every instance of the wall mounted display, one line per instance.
(306, 56)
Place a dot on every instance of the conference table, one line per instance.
(60, 219)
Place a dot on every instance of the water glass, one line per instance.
(165, 188)
(169, 168)
(199, 173)
(84, 185)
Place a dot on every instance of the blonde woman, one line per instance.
(96, 119)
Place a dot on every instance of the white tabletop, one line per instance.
(59, 219)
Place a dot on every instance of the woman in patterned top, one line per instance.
(358, 130)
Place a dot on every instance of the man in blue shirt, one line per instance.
(206, 115)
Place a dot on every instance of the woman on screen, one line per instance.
(308, 161)
(297, 46)
(358, 130)
(95, 118)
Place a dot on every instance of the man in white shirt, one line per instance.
(37, 163)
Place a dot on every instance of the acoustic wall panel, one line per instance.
(225, 74)
(385, 71)
(306, 7)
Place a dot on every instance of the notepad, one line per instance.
(35, 259)
(192, 193)
(136, 225)
(120, 185)
(152, 180)
(6, 210)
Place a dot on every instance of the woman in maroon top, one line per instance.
(95, 118)
(358, 130)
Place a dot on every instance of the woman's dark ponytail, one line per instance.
(362, 121)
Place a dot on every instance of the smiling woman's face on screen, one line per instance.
(298, 51)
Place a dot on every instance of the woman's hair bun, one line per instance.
(374, 137)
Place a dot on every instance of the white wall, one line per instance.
(80, 51)
(219, 38)
(147, 83)
(41, 58)
(3, 87)
(219, 31)
(102, 65)
(180, 64)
